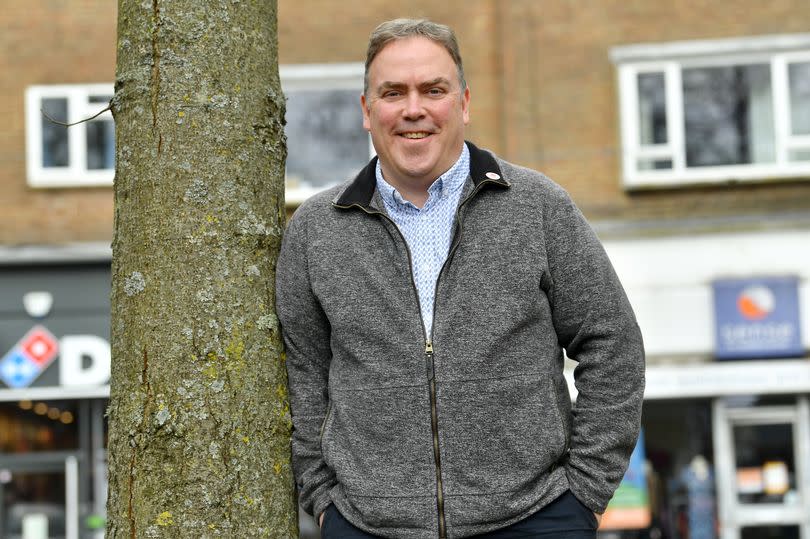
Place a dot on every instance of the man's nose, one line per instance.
(413, 106)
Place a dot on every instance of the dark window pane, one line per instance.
(678, 435)
(32, 426)
(765, 464)
(728, 115)
(100, 145)
(652, 109)
(771, 532)
(326, 142)
(799, 83)
(99, 99)
(54, 137)
(28, 492)
(654, 164)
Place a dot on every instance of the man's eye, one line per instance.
(391, 93)
(436, 91)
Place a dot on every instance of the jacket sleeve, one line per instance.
(596, 326)
(306, 333)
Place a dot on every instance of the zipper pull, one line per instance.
(429, 360)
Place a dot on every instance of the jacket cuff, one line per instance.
(321, 502)
(581, 488)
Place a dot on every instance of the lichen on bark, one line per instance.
(199, 418)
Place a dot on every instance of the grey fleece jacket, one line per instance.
(471, 428)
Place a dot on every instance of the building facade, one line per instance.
(681, 129)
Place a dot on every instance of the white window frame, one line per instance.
(76, 174)
(345, 76)
(339, 76)
(671, 59)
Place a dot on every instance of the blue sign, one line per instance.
(757, 318)
(629, 509)
(29, 358)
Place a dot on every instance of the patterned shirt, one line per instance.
(427, 231)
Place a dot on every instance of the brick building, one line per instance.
(681, 129)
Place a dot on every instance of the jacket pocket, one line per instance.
(378, 443)
(499, 435)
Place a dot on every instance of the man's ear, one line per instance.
(364, 106)
(465, 105)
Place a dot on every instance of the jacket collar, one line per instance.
(483, 168)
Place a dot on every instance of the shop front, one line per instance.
(729, 456)
(726, 418)
(725, 446)
(54, 376)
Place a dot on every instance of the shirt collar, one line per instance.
(445, 185)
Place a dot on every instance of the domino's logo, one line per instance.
(29, 358)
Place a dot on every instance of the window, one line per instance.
(83, 154)
(326, 141)
(715, 111)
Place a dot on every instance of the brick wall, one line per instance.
(562, 97)
(543, 87)
(50, 42)
(341, 35)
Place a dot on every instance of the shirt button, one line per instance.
(493, 176)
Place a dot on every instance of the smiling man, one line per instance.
(415, 106)
(426, 307)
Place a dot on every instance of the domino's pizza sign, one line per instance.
(757, 318)
(29, 358)
(83, 360)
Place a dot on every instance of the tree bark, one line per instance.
(199, 417)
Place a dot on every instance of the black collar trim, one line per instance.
(483, 168)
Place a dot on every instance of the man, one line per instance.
(425, 306)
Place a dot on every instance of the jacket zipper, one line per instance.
(434, 425)
(429, 362)
(431, 374)
(431, 366)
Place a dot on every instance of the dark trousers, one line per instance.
(564, 518)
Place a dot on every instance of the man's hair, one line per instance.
(397, 29)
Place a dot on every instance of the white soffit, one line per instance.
(669, 280)
(639, 52)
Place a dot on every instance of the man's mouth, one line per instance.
(415, 134)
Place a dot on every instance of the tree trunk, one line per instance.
(199, 418)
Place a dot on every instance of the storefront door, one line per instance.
(39, 497)
(762, 456)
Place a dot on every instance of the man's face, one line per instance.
(415, 111)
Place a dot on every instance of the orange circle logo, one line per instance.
(756, 302)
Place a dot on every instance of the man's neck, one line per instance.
(414, 192)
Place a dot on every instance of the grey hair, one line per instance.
(397, 29)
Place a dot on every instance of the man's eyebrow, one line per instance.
(434, 82)
(388, 85)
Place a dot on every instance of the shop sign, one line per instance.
(629, 508)
(83, 360)
(757, 318)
